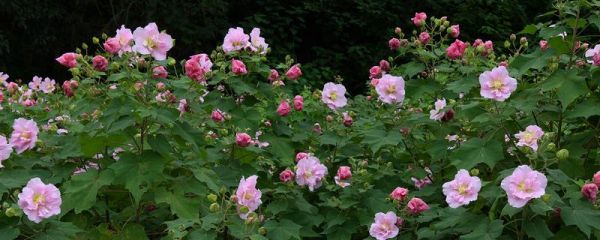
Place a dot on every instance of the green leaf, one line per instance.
(524, 62)
(377, 138)
(56, 230)
(485, 230)
(538, 229)
(133, 231)
(568, 86)
(137, 172)
(586, 108)
(284, 229)
(582, 215)
(208, 177)
(411, 69)
(182, 206)
(81, 191)
(9, 233)
(594, 19)
(475, 151)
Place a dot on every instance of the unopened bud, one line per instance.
(95, 40)
(211, 197)
(214, 207)
(551, 147)
(506, 44)
(398, 30)
(171, 61)
(513, 37)
(262, 231)
(84, 46)
(474, 171)
(546, 197)
(244, 209)
(562, 154)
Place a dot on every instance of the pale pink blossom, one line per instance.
(384, 226)
(159, 72)
(420, 183)
(3, 79)
(48, 85)
(310, 172)
(590, 53)
(89, 165)
(183, 107)
(235, 40)
(456, 49)
(197, 66)
(454, 30)
(437, 114)
(248, 196)
(399, 194)
(284, 108)
(416, 206)
(298, 103)
(68, 59)
(39, 201)
(257, 142)
(333, 95)
(530, 137)
(24, 135)
(243, 139)
(390, 89)
(419, 19)
(99, 63)
(342, 178)
(238, 67)
(149, 40)
(590, 192)
(257, 43)
(462, 190)
(124, 36)
(523, 185)
(543, 45)
(294, 72)
(5, 150)
(497, 84)
(286, 175)
(35, 83)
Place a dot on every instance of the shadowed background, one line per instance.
(343, 37)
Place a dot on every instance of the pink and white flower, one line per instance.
(197, 66)
(342, 178)
(437, 114)
(497, 84)
(124, 37)
(310, 172)
(286, 175)
(5, 150)
(68, 59)
(454, 31)
(24, 135)
(592, 52)
(243, 139)
(384, 226)
(590, 192)
(298, 103)
(257, 43)
(39, 201)
(530, 137)
(248, 196)
(235, 40)
(462, 190)
(390, 89)
(523, 185)
(159, 72)
(149, 40)
(333, 95)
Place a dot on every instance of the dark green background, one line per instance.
(327, 37)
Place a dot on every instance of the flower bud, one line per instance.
(212, 197)
(506, 44)
(474, 171)
(551, 147)
(13, 212)
(233, 199)
(513, 37)
(546, 197)
(104, 36)
(262, 231)
(171, 61)
(214, 207)
(562, 154)
(95, 40)
(5, 205)
(329, 118)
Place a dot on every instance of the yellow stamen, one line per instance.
(149, 43)
(462, 189)
(497, 84)
(38, 198)
(333, 96)
(391, 89)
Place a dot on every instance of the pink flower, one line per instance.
(390, 89)
(347, 119)
(99, 63)
(596, 59)
(374, 83)
(317, 128)
(530, 137)
(35, 83)
(333, 95)
(421, 183)
(399, 194)
(149, 40)
(454, 30)
(375, 72)
(3, 79)
(5, 150)
(235, 40)
(394, 44)
(437, 114)
(197, 66)
(590, 53)
(39, 201)
(343, 176)
(384, 65)
(48, 85)
(462, 190)
(87, 166)
(543, 45)
(238, 67)
(248, 196)
(68, 60)
(217, 116)
(424, 37)
(284, 108)
(286, 175)
(590, 191)
(310, 172)
(384, 226)
(183, 107)
(24, 135)
(243, 139)
(124, 36)
(456, 49)
(301, 155)
(416, 206)
(294, 72)
(597, 178)
(273, 76)
(159, 72)
(298, 103)
(257, 43)
(497, 84)
(419, 19)
(523, 185)
(112, 45)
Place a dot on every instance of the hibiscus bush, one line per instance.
(454, 140)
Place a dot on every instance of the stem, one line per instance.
(574, 34)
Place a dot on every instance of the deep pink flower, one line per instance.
(301, 155)
(394, 44)
(243, 139)
(342, 178)
(456, 49)
(99, 63)
(437, 114)
(419, 19)
(217, 116)
(294, 72)
(112, 45)
(310, 172)
(424, 37)
(248, 196)
(238, 67)
(286, 175)
(384, 226)
(235, 40)
(257, 43)
(5, 150)
(543, 45)
(197, 66)
(384, 65)
(590, 191)
(68, 60)
(284, 108)
(149, 40)
(298, 103)
(39, 201)
(124, 36)
(24, 135)
(347, 119)
(497, 84)
(597, 178)
(530, 137)
(523, 185)
(399, 194)
(416, 206)
(273, 76)
(375, 72)
(334, 95)
(454, 30)
(462, 190)
(390, 89)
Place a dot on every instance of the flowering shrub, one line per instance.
(223, 145)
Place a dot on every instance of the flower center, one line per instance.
(248, 196)
(333, 96)
(391, 89)
(149, 43)
(462, 189)
(497, 84)
(308, 174)
(528, 137)
(26, 136)
(522, 187)
(38, 198)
